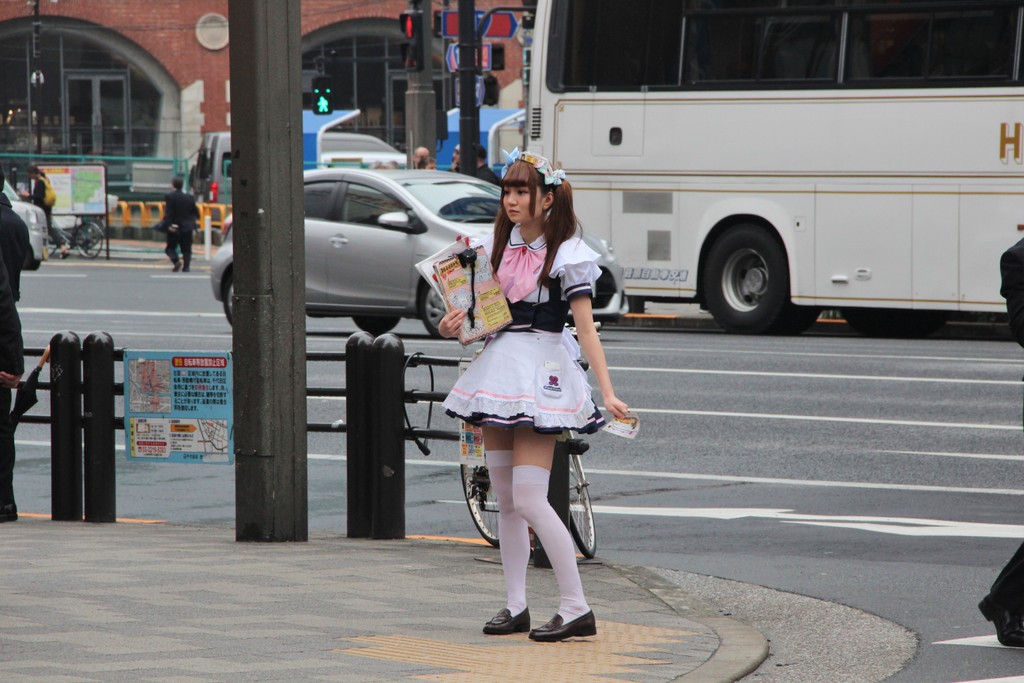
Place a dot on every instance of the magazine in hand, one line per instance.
(464, 279)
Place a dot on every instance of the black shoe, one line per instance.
(184, 270)
(504, 623)
(1009, 625)
(177, 266)
(9, 513)
(555, 630)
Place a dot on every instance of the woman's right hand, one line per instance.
(451, 323)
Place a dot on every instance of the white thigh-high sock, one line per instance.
(530, 487)
(513, 532)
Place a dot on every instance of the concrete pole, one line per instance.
(469, 114)
(420, 101)
(269, 323)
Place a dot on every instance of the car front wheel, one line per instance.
(227, 294)
(431, 309)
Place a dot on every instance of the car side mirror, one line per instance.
(400, 220)
(394, 219)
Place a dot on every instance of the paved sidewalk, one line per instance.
(161, 602)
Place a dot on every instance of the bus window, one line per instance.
(606, 49)
(799, 49)
(963, 44)
(972, 43)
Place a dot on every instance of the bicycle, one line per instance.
(483, 505)
(86, 235)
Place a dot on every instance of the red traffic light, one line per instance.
(414, 51)
(408, 25)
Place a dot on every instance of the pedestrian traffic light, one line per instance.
(492, 90)
(414, 50)
(323, 95)
(497, 57)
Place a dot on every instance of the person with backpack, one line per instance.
(44, 196)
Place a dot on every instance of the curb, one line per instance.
(742, 649)
(993, 331)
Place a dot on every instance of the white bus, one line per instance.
(773, 158)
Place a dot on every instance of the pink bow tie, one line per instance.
(519, 270)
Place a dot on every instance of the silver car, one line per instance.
(366, 230)
(35, 219)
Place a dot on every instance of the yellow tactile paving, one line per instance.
(589, 659)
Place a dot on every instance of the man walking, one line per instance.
(1004, 604)
(180, 216)
(13, 248)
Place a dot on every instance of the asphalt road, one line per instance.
(880, 474)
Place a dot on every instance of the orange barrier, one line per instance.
(217, 214)
(125, 215)
(152, 212)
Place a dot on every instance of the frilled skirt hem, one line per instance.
(525, 379)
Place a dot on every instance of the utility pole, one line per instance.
(469, 113)
(269, 342)
(420, 101)
(36, 78)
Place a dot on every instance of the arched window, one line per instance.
(80, 98)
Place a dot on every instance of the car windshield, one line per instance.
(462, 201)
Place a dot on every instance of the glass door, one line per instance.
(96, 120)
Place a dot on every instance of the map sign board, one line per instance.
(81, 189)
(178, 407)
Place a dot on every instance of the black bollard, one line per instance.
(65, 427)
(358, 380)
(98, 427)
(558, 495)
(388, 430)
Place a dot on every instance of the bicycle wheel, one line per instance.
(89, 239)
(581, 514)
(483, 505)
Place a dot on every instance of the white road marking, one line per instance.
(976, 641)
(810, 482)
(808, 375)
(823, 418)
(30, 275)
(973, 456)
(899, 526)
(104, 312)
(1007, 679)
(611, 347)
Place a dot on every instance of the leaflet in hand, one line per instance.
(472, 287)
(626, 427)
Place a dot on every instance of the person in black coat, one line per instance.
(1004, 604)
(483, 171)
(13, 247)
(180, 216)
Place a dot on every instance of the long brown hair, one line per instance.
(560, 224)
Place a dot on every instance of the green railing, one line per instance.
(130, 178)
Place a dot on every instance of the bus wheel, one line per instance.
(894, 323)
(746, 282)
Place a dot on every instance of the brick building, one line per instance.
(143, 78)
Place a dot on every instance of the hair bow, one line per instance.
(552, 175)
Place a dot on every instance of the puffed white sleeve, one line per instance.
(576, 265)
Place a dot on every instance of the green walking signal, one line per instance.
(323, 95)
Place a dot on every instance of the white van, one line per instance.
(210, 176)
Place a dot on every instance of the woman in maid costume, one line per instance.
(526, 387)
